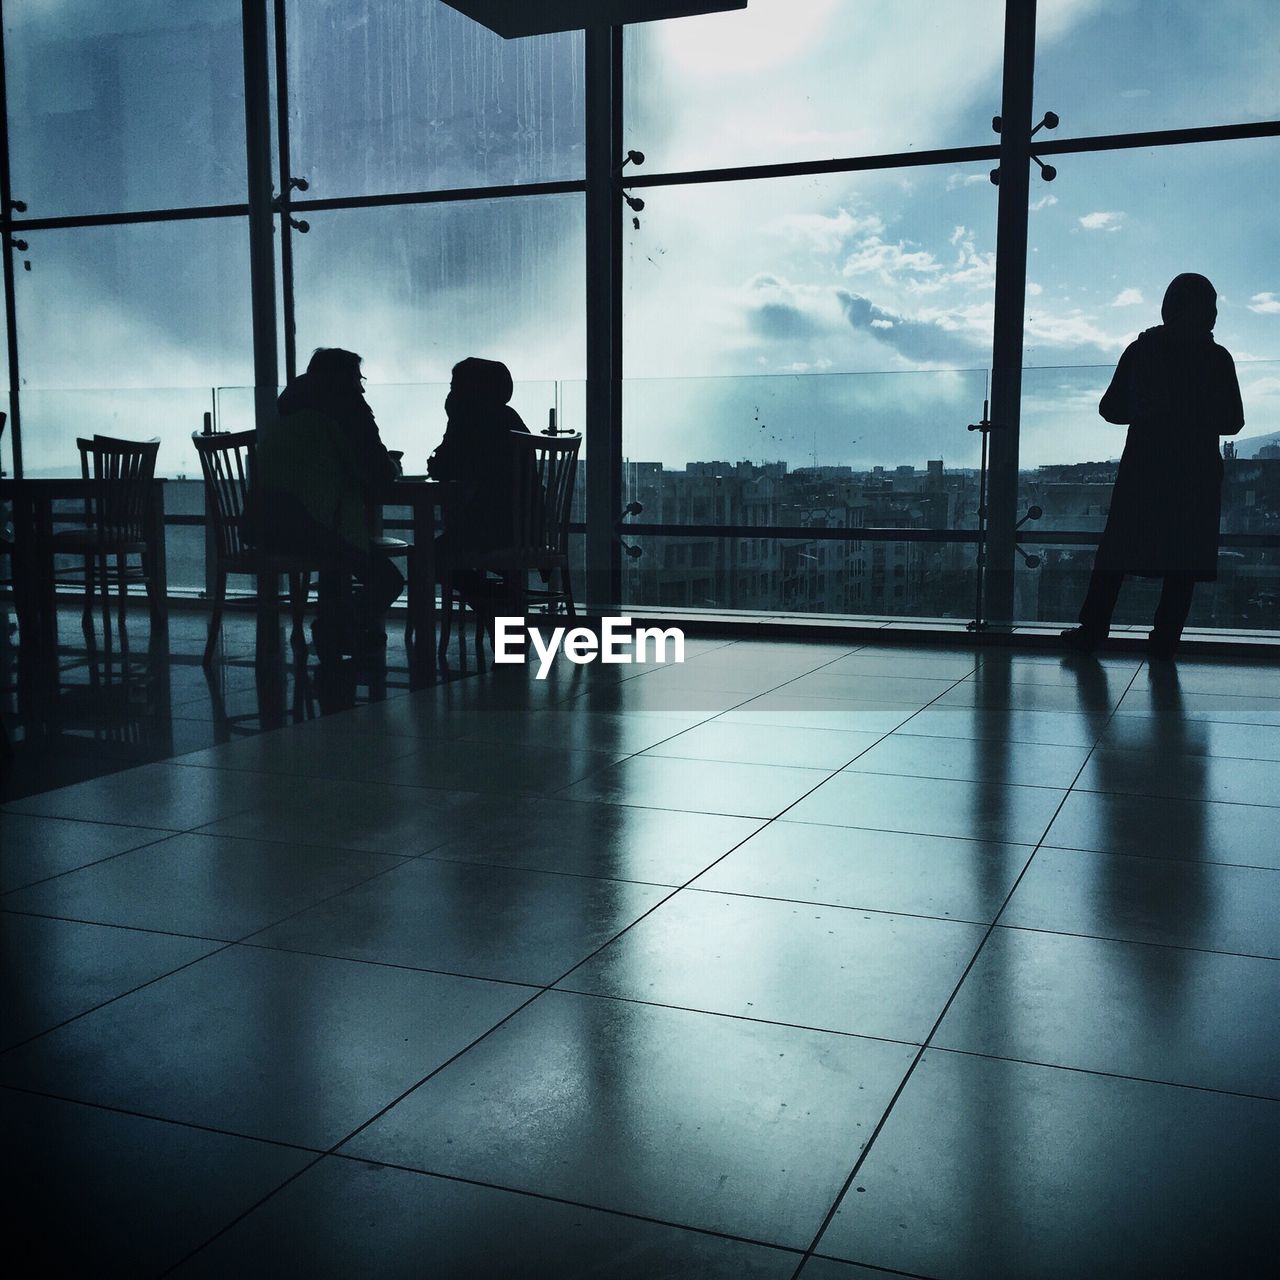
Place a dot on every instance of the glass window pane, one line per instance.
(416, 288)
(788, 80)
(1127, 65)
(1245, 597)
(123, 107)
(411, 95)
(125, 331)
(1105, 240)
(799, 575)
(791, 320)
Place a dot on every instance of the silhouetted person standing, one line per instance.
(1177, 390)
(320, 465)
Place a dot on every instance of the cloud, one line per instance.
(1034, 290)
(1128, 298)
(1102, 221)
(935, 338)
(1071, 330)
(957, 180)
(779, 311)
(1043, 203)
(1257, 387)
(1265, 304)
(874, 256)
(780, 321)
(828, 234)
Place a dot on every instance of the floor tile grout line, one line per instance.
(1142, 942)
(225, 945)
(1161, 857)
(715, 715)
(869, 1145)
(130, 1113)
(218, 948)
(1154, 1081)
(335, 1150)
(160, 838)
(480, 1184)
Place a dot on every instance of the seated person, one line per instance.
(475, 455)
(320, 465)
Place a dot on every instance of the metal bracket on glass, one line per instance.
(17, 206)
(280, 204)
(628, 549)
(985, 426)
(1028, 559)
(636, 204)
(1047, 171)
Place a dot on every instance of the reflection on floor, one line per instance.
(797, 959)
(99, 709)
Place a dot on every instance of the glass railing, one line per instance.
(807, 493)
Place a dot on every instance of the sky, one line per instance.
(844, 319)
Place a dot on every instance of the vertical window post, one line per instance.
(1011, 287)
(262, 283)
(604, 313)
(10, 301)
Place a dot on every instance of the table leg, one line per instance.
(422, 593)
(158, 568)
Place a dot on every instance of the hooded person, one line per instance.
(1176, 389)
(320, 465)
(476, 457)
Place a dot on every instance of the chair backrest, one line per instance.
(226, 460)
(543, 471)
(123, 471)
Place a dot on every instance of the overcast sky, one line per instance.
(745, 302)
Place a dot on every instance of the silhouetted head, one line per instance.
(484, 383)
(334, 368)
(1190, 303)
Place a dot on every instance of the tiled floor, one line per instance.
(809, 960)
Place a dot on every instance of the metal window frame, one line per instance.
(602, 185)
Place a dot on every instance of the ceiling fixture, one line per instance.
(511, 18)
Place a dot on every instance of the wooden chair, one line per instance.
(116, 526)
(543, 472)
(227, 463)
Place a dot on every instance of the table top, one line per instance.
(56, 487)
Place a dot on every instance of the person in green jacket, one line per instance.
(320, 466)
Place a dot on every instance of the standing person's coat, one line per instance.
(1178, 391)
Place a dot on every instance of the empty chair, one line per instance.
(116, 526)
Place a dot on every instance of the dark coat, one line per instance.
(1178, 394)
(477, 457)
(320, 465)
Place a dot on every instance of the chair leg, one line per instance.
(481, 628)
(105, 583)
(86, 616)
(567, 587)
(446, 614)
(299, 590)
(157, 605)
(122, 564)
(215, 622)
